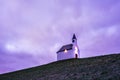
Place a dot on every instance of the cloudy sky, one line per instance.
(31, 31)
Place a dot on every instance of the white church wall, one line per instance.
(65, 55)
(76, 51)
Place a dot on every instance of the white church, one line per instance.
(69, 51)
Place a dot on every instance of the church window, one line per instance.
(65, 51)
(76, 50)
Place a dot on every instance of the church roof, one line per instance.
(67, 47)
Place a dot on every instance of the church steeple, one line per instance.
(74, 39)
(75, 47)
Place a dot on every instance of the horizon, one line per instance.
(31, 32)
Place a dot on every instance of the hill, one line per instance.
(96, 68)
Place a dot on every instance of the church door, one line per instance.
(76, 56)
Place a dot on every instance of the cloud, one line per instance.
(18, 61)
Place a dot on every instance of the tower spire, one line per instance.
(74, 38)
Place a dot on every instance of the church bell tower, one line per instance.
(75, 47)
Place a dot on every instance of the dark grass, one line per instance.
(95, 68)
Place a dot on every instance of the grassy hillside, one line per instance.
(95, 68)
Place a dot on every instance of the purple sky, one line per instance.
(31, 31)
